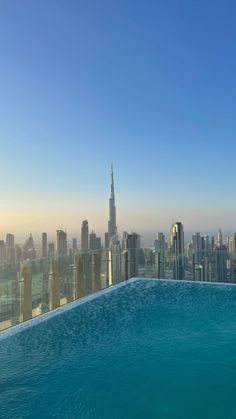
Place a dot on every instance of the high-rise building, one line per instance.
(61, 243)
(232, 257)
(207, 245)
(10, 255)
(94, 241)
(18, 254)
(10, 248)
(212, 243)
(197, 248)
(232, 247)
(189, 250)
(10, 240)
(177, 250)
(219, 241)
(74, 245)
(112, 228)
(159, 257)
(130, 256)
(51, 249)
(2, 252)
(115, 260)
(220, 257)
(29, 249)
(85, 236)
(44, 245)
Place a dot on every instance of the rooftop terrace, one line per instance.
(141, 348)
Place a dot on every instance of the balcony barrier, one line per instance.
(35, 287)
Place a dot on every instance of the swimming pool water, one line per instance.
(148, 349)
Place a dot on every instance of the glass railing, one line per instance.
(34, 287)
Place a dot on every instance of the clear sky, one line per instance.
(150, 85)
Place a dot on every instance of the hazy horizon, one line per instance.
(147, 236)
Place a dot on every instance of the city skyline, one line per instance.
(156, 97)
(148, 236)
(202, 258)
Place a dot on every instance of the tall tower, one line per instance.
(177, 249)
(74, 245)
(2, 252)
(84, 236)
(44, 245)
(10, 248)
(94, 241)
(115, 260)
(61, 243)
(112, 229)
(159, 256)
(232, 257)
(10, 240)
(130, 255)
(219, 238)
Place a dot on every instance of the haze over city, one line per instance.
(86, 83)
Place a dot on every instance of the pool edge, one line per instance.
(59, 310)
(12, 330)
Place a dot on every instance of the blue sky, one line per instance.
(149, 85)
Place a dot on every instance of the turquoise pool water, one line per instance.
(149, 349)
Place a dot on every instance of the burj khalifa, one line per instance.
(112, 229)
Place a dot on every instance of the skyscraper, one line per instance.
(220, 259)
(44, 245)
(10, 248)
(219, 241)
(115, 260)
(84, 236)
(197, 248)
(232, 257)
(51, 249)
(29, 249)
(74, 245)
(112, 229)
(18, 254)
(10, 240)
(61, 243)
(94, 241)
(130, 256)
(2, 252)
(159, 257)
(207, 245)
(177, 250)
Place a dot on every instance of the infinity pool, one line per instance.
(146, 349)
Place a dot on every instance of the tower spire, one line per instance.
(112, 193)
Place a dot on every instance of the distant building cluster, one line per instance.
(203, 258)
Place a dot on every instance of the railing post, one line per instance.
(16, 298)
(54, 285)
(45, 290)
(79, 277)
(27, 293)
(96, 272)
